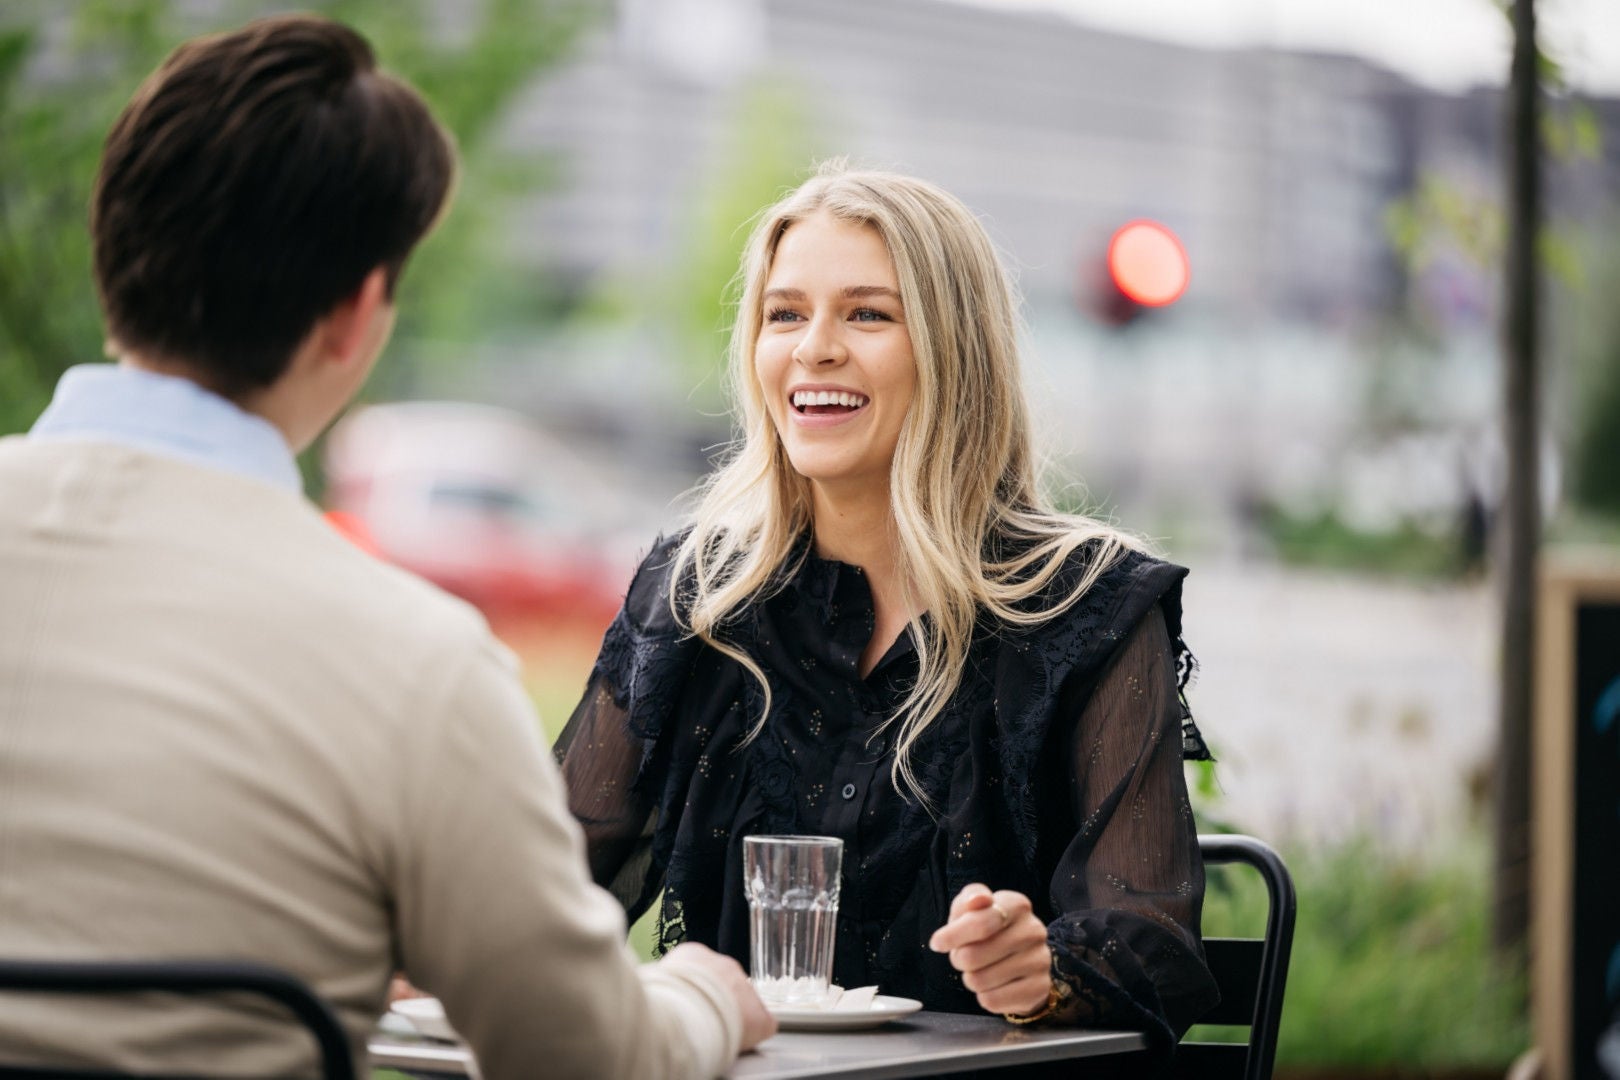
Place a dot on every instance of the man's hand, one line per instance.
(400, 989)
(758, 1023)
(999, 946)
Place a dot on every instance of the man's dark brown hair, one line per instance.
(251, 184)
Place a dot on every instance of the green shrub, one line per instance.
(1324, 539)
(1391, 966)
(1593, 330)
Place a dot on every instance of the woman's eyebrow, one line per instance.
(853, 292)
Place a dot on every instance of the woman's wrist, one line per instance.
(1058, 996)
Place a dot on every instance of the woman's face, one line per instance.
(833, 356)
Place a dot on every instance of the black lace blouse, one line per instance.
(1055, 770)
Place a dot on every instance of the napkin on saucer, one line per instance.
(858, 1000)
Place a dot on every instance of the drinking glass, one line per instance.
(792, 887)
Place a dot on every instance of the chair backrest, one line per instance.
(181, 977)
(1251, 973)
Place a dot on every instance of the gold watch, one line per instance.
(1056, 998)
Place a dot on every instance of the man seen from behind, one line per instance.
(227, 733)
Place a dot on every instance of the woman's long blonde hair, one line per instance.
(971, 531)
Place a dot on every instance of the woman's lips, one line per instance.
(824, 415)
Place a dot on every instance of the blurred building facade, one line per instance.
(1278, 170)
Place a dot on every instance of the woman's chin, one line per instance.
(818, 468)
(848, 486)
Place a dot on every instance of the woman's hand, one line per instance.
(999, 946)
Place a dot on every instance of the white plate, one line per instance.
(882, 1011)
(427, 1016)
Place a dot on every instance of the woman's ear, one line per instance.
(350, 328)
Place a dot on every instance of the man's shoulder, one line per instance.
(367, 583)
(370, 617)
(246, 542)
(21, 456)
(363, 598)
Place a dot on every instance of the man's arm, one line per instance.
(497, 915)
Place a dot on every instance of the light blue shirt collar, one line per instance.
(166, 415)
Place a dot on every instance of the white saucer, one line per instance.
(883, 1010)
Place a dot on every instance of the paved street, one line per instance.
(1340, 704)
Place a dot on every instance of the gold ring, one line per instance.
(999, 910)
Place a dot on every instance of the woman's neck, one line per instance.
(854, 526)
(858, 528)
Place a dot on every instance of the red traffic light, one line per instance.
(1148, 264)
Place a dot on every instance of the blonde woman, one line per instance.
(875, 629)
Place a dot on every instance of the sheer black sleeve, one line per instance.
(1130, 883)
(601, 761)
(609, 742)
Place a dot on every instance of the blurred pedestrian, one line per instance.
(877, 629)
(228, 732)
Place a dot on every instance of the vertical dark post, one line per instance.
(1519, 523)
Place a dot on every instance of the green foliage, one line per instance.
(770, 148)
(1576, 529)
(1596, 472)
(1439, 212)
(1594, 468)
(644, 933)
(1324, 539)
(1391, 966)
(461, 281)
(51, 130)
(59, 92)
(1572, 133)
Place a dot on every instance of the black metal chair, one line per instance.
(1251, 973)
(190, 977)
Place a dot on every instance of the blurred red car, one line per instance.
(485, 504)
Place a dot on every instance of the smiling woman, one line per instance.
(874, 629)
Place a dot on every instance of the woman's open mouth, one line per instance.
(827, 402)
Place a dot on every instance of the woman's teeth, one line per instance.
(804, 399)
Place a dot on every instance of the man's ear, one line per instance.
(347, 328)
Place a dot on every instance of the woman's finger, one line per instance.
(982, 916)
(1015, 904)
(965, 924)
(971, 898)
(1026, 935)
(1024, 964)
(969, 927)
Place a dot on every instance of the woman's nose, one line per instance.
(821, 345)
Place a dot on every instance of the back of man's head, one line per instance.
(250, 185)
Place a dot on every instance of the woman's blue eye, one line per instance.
(781, 315)
(870, 315)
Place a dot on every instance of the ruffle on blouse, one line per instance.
(646, 655)
(1079, 642)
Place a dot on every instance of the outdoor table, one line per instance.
(923, 1044)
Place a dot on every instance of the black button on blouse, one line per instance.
(1054, 770)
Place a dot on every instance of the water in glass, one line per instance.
(792, 887)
